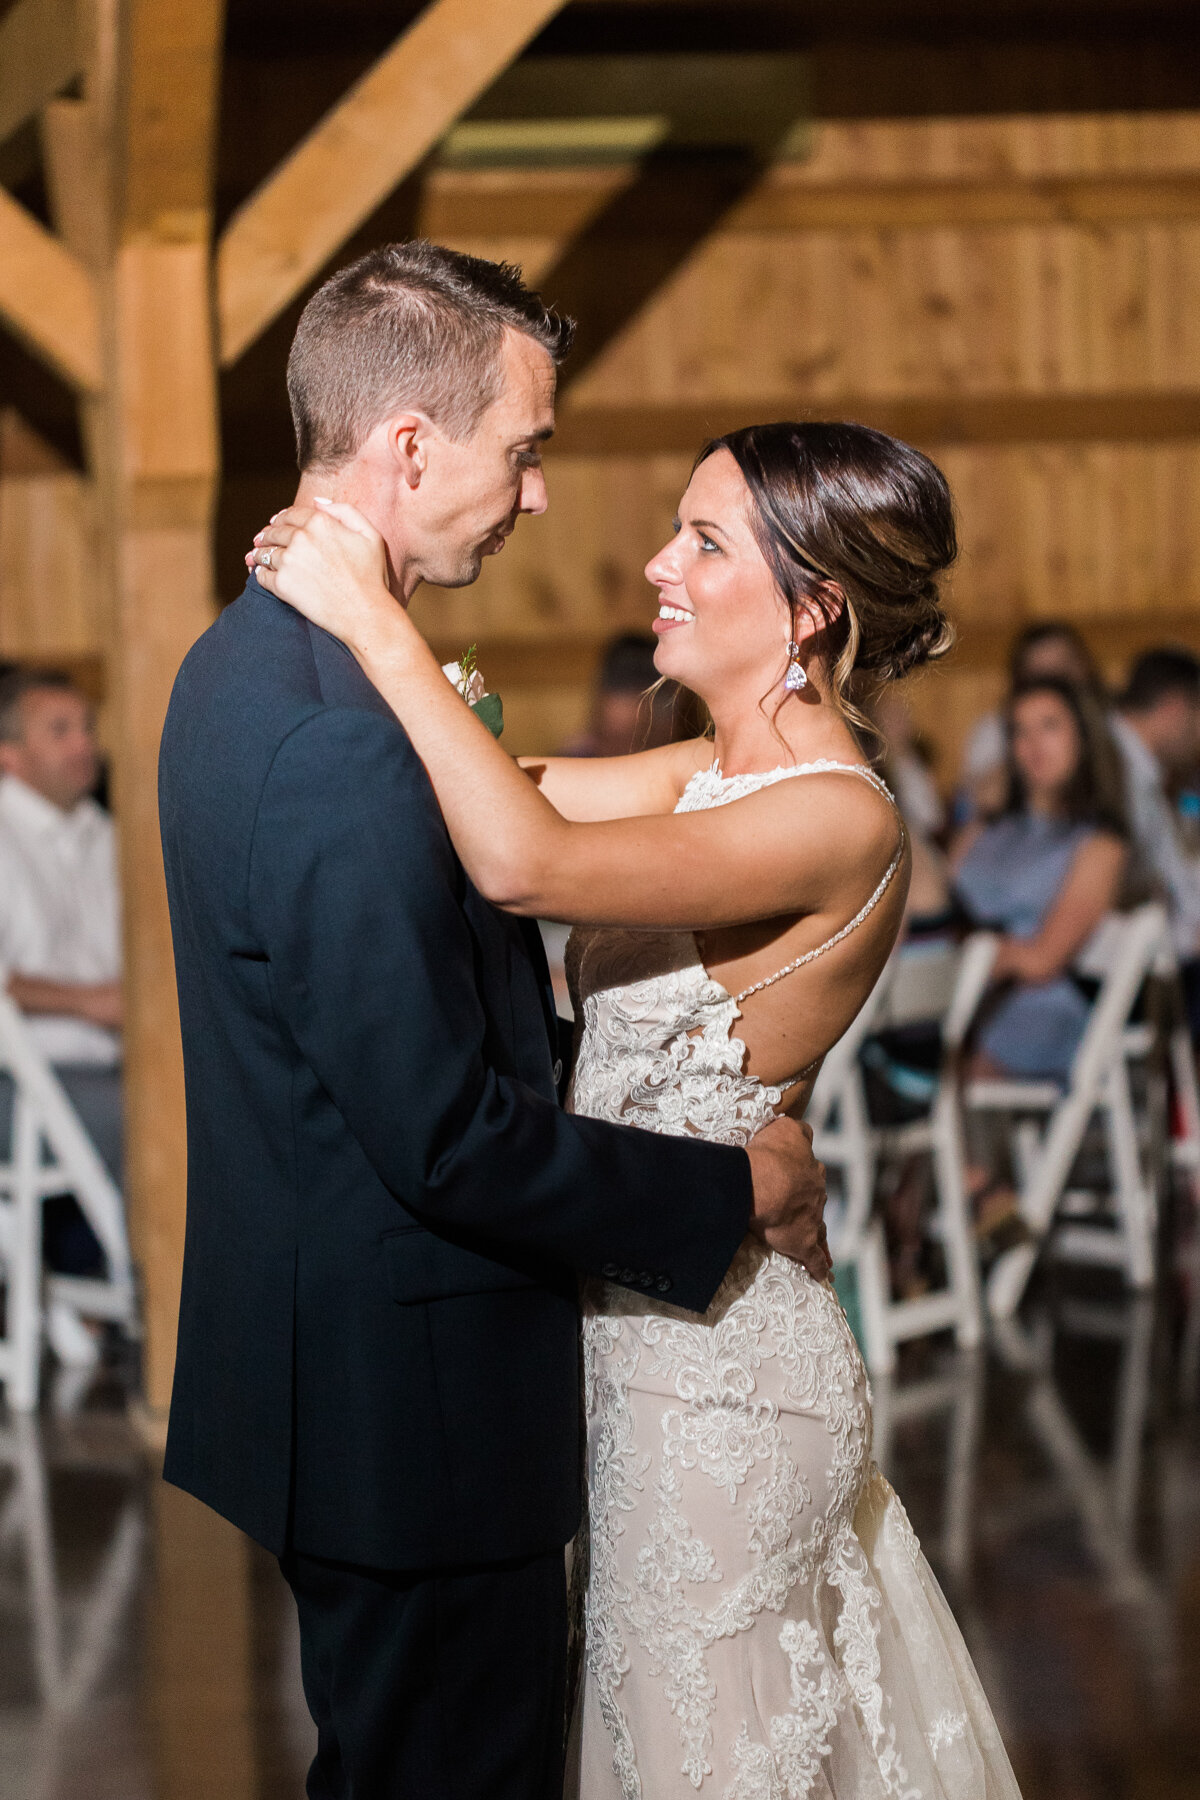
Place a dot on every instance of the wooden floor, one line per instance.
(147, 1652)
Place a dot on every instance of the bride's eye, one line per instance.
(706, 543)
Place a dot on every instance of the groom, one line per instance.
(387, 1210)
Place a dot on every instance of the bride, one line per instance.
(760, 1621)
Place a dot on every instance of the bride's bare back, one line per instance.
(788, 1021)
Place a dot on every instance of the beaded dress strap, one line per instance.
(864, 912)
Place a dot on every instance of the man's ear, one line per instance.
(406, 438)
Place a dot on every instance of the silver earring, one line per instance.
(795, 679)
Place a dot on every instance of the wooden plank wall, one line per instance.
(1091, 298)
(52, 600)
(977, 315)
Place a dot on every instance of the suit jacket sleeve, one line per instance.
(356, 892)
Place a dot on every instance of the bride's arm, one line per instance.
(762, 857)
(615, 787)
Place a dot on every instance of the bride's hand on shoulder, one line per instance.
(329, 563)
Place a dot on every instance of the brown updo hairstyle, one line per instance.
(856, 527)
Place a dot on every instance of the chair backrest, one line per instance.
(841, 1062)
(941, 981)
(76, 1163)
(1122, 953)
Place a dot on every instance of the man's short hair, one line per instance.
(1159, 675)
(15, 682)
(409, 325)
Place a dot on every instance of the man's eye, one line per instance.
(529, 459)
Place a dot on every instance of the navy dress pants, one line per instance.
(433, 1685)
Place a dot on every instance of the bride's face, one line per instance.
(722, 621)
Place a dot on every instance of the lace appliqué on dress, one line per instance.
(732, 1616)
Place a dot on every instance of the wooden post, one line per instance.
(163, 450)
(159, 482)
(202, 1701)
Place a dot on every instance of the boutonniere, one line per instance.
(466, 676)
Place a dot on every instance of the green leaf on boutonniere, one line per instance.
(490, 712)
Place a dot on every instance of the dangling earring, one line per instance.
(795, 679)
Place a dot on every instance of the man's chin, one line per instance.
(467, 572)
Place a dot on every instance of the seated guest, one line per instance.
(1050, 648)
(1044, 873)
(60, 944)
(907, 767)
(1157, 730)
(632, 708)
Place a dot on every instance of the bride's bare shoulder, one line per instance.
(851, 824)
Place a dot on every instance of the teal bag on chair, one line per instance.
(845, 1283)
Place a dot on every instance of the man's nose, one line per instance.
(534, 498)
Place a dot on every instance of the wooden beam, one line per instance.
(1134, 417)
(200, 1677)
(561, 659)
(916, 206)
(1114, 637)
(362, 149)
(169, 86)
(554, 659)
(77, 166)
(48, 298)
(560, 203)
(159, 484)
(40, 54)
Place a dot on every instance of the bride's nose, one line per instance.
(663, 569)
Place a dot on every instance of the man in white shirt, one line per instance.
(1157, 729)
(60, 945)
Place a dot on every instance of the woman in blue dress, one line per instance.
(1044, 873)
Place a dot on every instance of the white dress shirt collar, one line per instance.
(31, 811)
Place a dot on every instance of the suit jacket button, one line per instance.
(628, 1277)
(663, 1284)
(645, 1279)
(610, 1272)
(556, 1072)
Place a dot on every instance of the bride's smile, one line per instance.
(723, 626)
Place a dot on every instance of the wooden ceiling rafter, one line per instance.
(393, 116)
(1132, 416)
(556, 203)
(48, 298)
(42, 51)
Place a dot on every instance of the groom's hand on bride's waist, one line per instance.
(789, 1195)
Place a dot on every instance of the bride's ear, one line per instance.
(816, 614)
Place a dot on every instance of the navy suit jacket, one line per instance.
(387, 1209)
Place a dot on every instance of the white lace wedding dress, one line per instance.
(760, 1623)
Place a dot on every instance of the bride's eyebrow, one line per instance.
(708, 525)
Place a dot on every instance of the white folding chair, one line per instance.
(69, 1665)
(1104, 1493)
(1051, 1123)
(50, 1152)
(942, 983)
